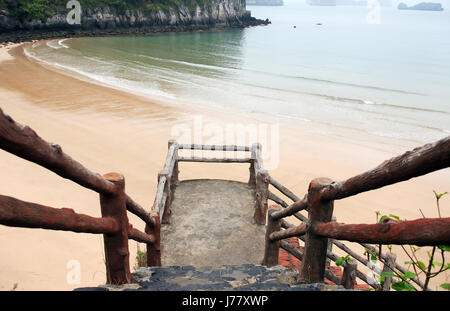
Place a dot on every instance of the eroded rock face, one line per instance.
(213, 12)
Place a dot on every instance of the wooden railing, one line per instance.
(23, 142)
(168, 178)
(316, 229)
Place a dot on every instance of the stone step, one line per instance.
(246, 277)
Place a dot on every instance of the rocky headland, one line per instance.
(20, 23)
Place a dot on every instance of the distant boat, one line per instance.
(265, 2)
(322, 2)
(423, 6)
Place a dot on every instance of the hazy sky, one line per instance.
(394, 2)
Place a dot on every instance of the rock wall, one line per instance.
(213, 12)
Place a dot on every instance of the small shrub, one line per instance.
(141, 258)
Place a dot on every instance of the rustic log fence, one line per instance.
(168, 177)
(319, 232)
(23, 142)
(258, 176)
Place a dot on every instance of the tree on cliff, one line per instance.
(27, 10)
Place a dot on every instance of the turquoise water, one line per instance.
(334, 70)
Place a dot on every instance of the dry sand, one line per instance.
(109, 130)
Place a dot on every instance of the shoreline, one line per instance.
(110, 130)
(366, 139)
(22, 36)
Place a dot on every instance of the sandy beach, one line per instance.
(109, 130)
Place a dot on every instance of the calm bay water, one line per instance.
(332, 71)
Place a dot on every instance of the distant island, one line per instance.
(322, 2)
(265, 2)
(423, 6)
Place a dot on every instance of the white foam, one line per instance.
(203, 66)
(61, 43)
(294, 118)
(134, 87)
(369, 102)
(54, 45)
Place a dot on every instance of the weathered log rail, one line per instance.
(319, 232)
(316, 229)
(255, 161)
(23, 142)
(168, 177)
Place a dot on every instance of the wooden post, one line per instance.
(330, 244)
(116, 245)
(258, 156)
(349, 275)
(154, 249)
(388, 267)
(262, 194)
(167, 212)
(272, 248)
(252, 178)
(174, 178)
(313, 265)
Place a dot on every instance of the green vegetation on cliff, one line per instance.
(43, 9)
(36, 9)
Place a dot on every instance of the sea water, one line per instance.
(335, 69)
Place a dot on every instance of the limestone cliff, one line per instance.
(180, 12)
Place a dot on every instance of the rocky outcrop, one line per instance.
(212, 13)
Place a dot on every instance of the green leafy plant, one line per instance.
(403, 281)
(38, 9)
(371, 255)
(342, 260)
(28, 10)
(141, 258)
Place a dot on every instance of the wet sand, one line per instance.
(109, 130)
